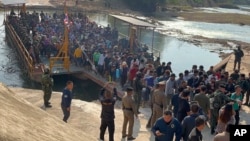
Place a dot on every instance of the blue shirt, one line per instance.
(66, 98)
(150, 81)
(168, 130)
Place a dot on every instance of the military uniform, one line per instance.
(215, 107)
(47, 83)
(129, 110)
(159, 104)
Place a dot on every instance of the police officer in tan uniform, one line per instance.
(129, 110)
(159, 102)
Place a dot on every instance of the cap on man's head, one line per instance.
(222, 85)
(162, 83)
(129, 89)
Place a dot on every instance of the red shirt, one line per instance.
(132, 73)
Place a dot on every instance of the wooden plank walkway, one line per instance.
(98, 79)
(222, 63)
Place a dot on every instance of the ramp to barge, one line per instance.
(228, 64)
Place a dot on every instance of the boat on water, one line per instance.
(59, 57)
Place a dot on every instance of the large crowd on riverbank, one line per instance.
(101, 45)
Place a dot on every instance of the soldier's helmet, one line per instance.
(46, 71)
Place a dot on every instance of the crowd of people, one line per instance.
(87, 40)
(180, 107)
(183, 106)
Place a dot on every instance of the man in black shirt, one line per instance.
(195, 134)
(238, 55)
(107, 115)
(184, 107)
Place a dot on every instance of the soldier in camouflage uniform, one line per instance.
(47, 83)
(217, 100)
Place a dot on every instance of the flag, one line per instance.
(66, 19)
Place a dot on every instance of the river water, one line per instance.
(182, 54)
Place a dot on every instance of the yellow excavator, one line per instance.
(63, 54)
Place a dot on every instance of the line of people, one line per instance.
(196, 98)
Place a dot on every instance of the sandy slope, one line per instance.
(22, 121)
(86, 116)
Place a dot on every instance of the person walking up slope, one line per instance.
(66, 100)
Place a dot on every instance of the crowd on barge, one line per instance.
(87, 39)
(218, 95)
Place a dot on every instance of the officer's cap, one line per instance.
(129, 89)
(162, 83)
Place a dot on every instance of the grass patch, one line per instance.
(217, 17)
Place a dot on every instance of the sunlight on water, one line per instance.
(183, 55)
(224, 10)
(210, 30)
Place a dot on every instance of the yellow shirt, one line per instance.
(78, 52)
